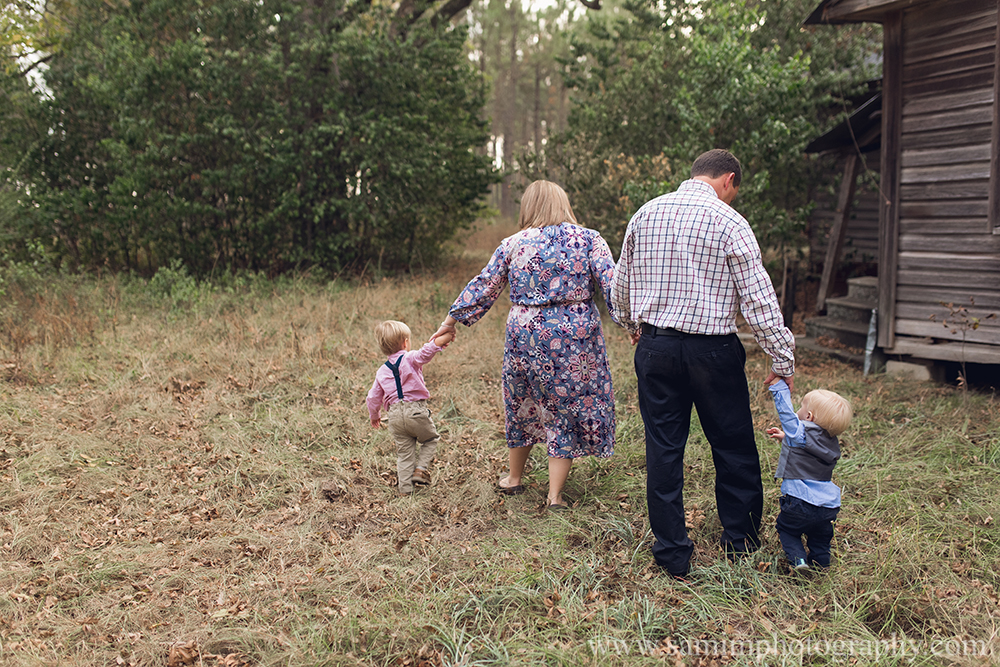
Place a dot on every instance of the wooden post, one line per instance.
(838, 231)
(994, 200)
(888, 219)
(788, 289)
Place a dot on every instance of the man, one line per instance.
(688, 262)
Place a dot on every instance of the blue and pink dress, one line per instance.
(556, 379)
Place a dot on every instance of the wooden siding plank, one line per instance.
(988, 299)
(944, 209)
(945, 173)
(936, 156)
(942, 278)
(974, 135)
(975, 33)
(968, 352)
(956, 260)
(959, 100)
(947, 15)
(959, 118)
(937, 226)
(988, 335)
(941, 314)
(978, 59)
(949, 83)
(956, 190)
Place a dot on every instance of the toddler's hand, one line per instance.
(444, 340)
(776, 434)
(377, 423)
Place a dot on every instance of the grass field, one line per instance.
(189, 478)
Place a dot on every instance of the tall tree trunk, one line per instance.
(510, 115)
(538, 110)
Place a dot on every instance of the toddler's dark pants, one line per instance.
(798, 518)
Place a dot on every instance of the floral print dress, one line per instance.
(556, 379)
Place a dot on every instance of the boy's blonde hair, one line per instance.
(830, 410)
(391, 335)
(544, 203)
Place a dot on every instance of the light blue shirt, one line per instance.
(821, 494)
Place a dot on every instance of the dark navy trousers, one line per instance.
(675, 371)
(798, 518)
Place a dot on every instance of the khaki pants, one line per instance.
(410, 425)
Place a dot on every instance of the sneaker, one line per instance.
(421, 476)
(800, 565)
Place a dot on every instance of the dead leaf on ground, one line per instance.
(331, 491)
(182, 654)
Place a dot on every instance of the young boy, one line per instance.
(809, 451)
(399, 388)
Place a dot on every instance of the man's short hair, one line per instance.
(717, 162)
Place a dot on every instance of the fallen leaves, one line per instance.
(551, 602)
(181, 654)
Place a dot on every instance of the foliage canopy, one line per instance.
(660, 82)
(257, 135)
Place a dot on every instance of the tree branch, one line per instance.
(35, 64)
(449, 10)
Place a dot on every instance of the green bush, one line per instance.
(260, 136)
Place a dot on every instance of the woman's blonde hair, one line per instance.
(544, 203)
(391, 335)
(830, 410)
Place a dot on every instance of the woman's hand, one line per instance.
(447, 327)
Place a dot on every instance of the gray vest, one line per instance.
(815, 461)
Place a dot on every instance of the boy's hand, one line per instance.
(776, 434)
(377, 423)
(773, 377)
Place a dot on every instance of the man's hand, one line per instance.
(776, 434)
(773, 377)
(635, 337)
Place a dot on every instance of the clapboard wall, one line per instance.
(941, 243)
(861, 237)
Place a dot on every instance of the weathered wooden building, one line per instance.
(843, 226)
(939, 213)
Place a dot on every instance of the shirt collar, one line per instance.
(695, 184)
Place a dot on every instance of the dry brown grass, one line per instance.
(200, 485)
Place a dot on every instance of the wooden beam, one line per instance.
(993, 219)
(969, 352)
(835, 244)
(865, 10)
(892, 108)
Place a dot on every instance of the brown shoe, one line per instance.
(421, 476)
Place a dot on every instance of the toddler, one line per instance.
(399, 389)
(809, 451)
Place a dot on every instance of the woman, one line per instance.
(556, 380)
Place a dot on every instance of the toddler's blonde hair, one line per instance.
(830, 410)
(391, 335)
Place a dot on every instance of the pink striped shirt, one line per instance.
(411, 375)
(688, 262)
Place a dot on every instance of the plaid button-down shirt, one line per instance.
(688, 262)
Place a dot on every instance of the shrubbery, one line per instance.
(228, 134)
